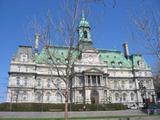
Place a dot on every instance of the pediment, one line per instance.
(93, 70)
(90, 51)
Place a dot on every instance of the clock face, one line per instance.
(89, 59)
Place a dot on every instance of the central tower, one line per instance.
(84, 37)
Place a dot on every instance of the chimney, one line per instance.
(36, 42)
(126, 51)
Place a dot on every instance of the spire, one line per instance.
(36, 42)
(83, 17)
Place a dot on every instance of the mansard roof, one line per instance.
(59, 53)
(113, 58)
(23, 50)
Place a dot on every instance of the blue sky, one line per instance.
(110, 26)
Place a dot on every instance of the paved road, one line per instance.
(71, 114)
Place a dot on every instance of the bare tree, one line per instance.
(148, 24)
(66, 30)
(64, 67)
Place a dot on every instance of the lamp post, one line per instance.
(143, 91)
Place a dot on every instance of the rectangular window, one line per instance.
(123, 84)
(49, 83)
(130, 83)
(99, 82)
(80, 80)
(18, 82)
(115, 84)
(94, 80)
(89, 80)
(25, 82)
(38, 82)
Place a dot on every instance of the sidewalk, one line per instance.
(71, 114)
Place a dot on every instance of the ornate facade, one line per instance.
(102, 76)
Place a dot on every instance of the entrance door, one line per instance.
(94, 97)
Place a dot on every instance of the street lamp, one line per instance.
(143, 91)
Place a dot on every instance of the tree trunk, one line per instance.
(66, 107)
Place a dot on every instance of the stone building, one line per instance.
(102, 75)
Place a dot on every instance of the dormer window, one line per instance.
(58, 60)
(23, 57)
(106, 62)
(120, 63)
(112, 63)
(140, 63)
(85, 34)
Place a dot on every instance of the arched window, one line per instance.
(39, 82)
(48, 96)
(124, 96)
(49, 83)
(58, 97)
(38, 96)
(25, 95)
(132, 96)
(25, 81)
(123, 84)
(18, 82)
(58, 84)
(85, 34)
(116, 97)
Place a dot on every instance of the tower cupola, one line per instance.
(84, 36)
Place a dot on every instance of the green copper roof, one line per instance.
(113, 58)
(58, 54)
(138, 62)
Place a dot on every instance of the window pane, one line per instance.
(89, 81)
(93, 79)
(99, 82)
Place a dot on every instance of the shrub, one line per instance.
(59, 107)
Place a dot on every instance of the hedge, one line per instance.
(59, 107)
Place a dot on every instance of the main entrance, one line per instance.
(94, 97)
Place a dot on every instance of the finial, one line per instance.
(83, 17)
